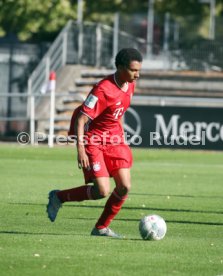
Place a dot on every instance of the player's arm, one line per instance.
(93, 106)
(83, 161)
(122, 121)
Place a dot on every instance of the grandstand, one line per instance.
(156, 84)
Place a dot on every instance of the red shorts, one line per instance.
(105, 160)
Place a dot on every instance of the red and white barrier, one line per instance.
(48, 87)
(52, 88)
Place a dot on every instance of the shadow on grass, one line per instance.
(168, 221)
(62, 234)
(127, 208)
(186, 196)
(142, 209)
(37, 234)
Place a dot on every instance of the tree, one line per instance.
(34, 19)
(41, 20)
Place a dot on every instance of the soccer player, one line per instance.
(102, 151)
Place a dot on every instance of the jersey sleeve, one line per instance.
(95, 103)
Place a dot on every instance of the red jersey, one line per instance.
(105, 106)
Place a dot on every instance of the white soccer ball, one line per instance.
(152, 227)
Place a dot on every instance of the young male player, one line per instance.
(102, 152)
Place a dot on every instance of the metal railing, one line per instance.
(88, 43)
(53, 60)
(21, 122)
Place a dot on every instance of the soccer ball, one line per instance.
(152, 227)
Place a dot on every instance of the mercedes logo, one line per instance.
(132, 124)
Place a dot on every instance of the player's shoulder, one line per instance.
(105, 85)
(105, 82)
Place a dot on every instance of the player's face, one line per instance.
(131, 73)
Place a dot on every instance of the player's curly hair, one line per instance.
(126, 55)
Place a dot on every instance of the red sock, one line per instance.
(111, 209)
(76, 194)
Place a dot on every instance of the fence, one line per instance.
(96, 44)
(88, 44)
(17, 60)
(11, 125)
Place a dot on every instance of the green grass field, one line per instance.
(184, 187)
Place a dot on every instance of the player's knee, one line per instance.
(127, 188)
(124, 189)
(101, 192)
(101, 188)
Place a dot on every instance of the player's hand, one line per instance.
(83, 160)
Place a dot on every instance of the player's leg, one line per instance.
(57, 198)
(123, 181)
(119, 161)
(97, 173)
(98, 190)
(116, 199)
